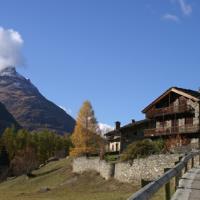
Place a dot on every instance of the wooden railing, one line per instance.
(149, 190)
(172, 130)
(168, 110)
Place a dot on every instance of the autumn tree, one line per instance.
(86, 134)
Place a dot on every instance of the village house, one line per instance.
(120, 137)
(175, 112)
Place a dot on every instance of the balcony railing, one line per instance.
(172, 130)
(169, 110)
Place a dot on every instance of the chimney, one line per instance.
(133, 121)
(117, 125)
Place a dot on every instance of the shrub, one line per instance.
(142, 149)
(160, 145)
(111, 158)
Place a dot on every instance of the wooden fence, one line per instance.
(149, 190)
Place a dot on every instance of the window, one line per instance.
(174, 122)
(188, 120)
(163, 123)
(117, 147)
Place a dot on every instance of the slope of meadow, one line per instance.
(55, 181)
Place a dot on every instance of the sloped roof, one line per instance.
(137, 123)
(191, 94)
(127, 126)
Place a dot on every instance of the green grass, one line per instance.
(160, 195)
(64, 185)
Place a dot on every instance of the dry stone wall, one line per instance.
(147, 168)
(82, 164)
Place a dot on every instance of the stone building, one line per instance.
(120, 137)
(175, 112)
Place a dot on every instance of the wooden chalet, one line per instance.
(119, 138)
(175, 112)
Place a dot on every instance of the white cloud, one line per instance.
(185, 7)
(171, 17)
(11, 44)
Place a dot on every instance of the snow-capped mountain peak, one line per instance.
(105, 128)
(29, 107)
(10, 72)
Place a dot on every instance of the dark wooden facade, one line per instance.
(119, 138)
(175, 112)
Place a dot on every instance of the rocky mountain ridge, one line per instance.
(29, 107)
(6, 119)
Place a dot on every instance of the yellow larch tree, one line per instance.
(86, 136)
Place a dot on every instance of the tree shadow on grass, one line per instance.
(47, 172)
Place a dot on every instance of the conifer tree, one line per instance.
(4, 157)
(8, 139)
(86, 134)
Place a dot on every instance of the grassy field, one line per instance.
(64, 185)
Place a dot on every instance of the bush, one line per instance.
(111, 158)
(142, 149)
(160, 145)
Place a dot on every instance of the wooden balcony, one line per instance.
(168, 110)
(186, 129)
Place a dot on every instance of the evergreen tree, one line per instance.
(4, 157)
(23, 139)
(85, 137)
(8, 139)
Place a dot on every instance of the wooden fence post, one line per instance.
(192, 165)
(186, 167)
(199, 159)
(177, 177)
(167, 187)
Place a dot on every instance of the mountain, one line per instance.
(29, 107)
(105, 128)
(6, 119)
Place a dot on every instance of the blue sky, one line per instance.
(120, 55)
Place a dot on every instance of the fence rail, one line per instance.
(149, 190)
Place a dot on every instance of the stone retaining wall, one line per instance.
(148, 168)
(106, 170)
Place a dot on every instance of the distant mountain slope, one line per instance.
(6, 119)
(29, 107)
